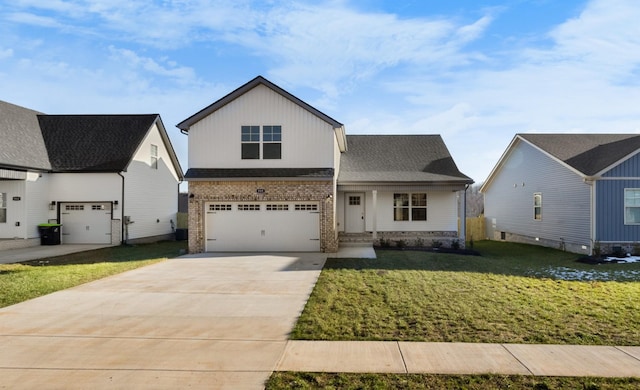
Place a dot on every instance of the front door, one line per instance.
(354, 213)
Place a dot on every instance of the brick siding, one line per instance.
(202, 192)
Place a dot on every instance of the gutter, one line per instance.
(122, 239)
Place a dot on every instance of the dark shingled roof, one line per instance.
(398, 158)
(587, 153)
(237, 173)
(93, 143)
(22, 145)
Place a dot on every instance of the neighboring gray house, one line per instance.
(91, 173)
(569, 191)
(269, 172)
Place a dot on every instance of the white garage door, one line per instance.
(86, 223)
(262, 226)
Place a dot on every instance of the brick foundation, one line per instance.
(201, 192)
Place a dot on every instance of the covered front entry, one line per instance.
(262, 226)
(86, 223)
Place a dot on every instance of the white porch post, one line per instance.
(374, 217)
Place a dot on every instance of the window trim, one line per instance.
(154, 156)
(3, 207)
(537, 208)
(266, 138)
(626, 222)
(409, 206)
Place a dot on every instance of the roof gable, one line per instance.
(93, 143)
(187, 123)
(22, 144)
(589, 154)
(398, 158)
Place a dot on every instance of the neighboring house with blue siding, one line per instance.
(569, 191)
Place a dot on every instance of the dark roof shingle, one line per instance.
(22, 145)
(93, 143)
(587, 153)
(398, 158)
(241, 173)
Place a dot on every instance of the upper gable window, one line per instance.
(632, 206)
(266, 145)
(154, 156)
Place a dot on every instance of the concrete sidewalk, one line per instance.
(460, 358)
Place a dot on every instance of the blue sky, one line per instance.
(475, 71)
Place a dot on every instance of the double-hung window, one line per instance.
(410, 207)
(265, 143)
(632, 206)
(537, 206)
(3, 207)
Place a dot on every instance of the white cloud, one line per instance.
(6, 53)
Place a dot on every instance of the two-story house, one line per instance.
(269, 172)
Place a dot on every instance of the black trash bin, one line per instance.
(49, 233)
(182, 234)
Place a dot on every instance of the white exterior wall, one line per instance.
(566, 198)
(307, 141)
(442, 213)
(15, 209)
(29, 211)
(36, 203)
(85, 187)
(151, 195)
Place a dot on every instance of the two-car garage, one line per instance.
(262, 226)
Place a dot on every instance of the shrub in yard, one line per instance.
(455, 244)
(420, 242)
(436, 244)
(401, 244)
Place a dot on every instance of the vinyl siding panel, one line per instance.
(151, 195)
(36, 203)
(565, 198)
(628, 168)
(15, 209)
(307, 141)
(610, 225)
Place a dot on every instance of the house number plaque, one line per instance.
(260, 191)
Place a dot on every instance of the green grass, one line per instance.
(513, 293)
(31, 279)
(290, 380)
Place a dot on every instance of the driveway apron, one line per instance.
(199, 321)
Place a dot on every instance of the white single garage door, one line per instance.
(262, 226)
(86, 223)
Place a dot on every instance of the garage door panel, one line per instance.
(86, 223)
(262, 226)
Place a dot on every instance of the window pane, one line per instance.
(250, 151)
(537, 213)
(401, 214)
(418, 199)
(250, 133)
(3, 215)
(418, 214)
(632, 215)
(631, 197)
(401, 200)
(3, 199)
(271, 151)
(537, 200)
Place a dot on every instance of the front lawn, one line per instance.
(22, 281)
(513, 293)
(299, 380)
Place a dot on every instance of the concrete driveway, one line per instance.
(199, 321)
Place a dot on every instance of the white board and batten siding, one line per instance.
(307, 141)
(151, 194)
(262, 226)
(566, 198)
